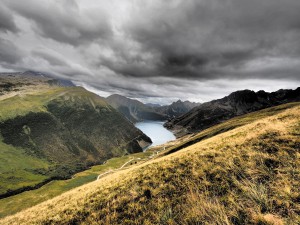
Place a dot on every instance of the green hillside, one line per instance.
(56, 132)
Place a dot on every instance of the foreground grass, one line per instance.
(248, 175)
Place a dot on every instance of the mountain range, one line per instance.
(236, 104)
(135, 110)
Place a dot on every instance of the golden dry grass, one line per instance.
(249, 175)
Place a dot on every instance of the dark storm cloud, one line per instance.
(204, 39)
(7, 22)
(172, 49)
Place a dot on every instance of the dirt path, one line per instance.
(110, 171)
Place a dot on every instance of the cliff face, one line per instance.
(235, 104)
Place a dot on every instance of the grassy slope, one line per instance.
(18, 169)
(249, 175)
(32, 102)
(15, 165)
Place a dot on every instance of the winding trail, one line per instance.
(110, 171)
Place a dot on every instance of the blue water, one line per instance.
(156, 131)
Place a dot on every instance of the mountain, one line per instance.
(247, 175)
(49, 131)
(177, 108)
(135, 110)
(153, 105)
(235, 104)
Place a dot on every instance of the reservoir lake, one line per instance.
(156, 131)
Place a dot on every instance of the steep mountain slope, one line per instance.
(134, 110)
(237, 103)
(248, 175)
(57, 131)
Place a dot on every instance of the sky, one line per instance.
(153, 50)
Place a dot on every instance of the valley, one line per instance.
(150, 112)
(14, 204)
(61, 141)
(226, 166)
(112, 167)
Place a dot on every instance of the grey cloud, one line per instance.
(50, 56)
(7, 22)
(64, 22)
(9, 53)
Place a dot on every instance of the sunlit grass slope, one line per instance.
(248, 175)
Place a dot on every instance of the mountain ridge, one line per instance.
(235, 104)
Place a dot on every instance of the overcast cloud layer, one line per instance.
(157, 51)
